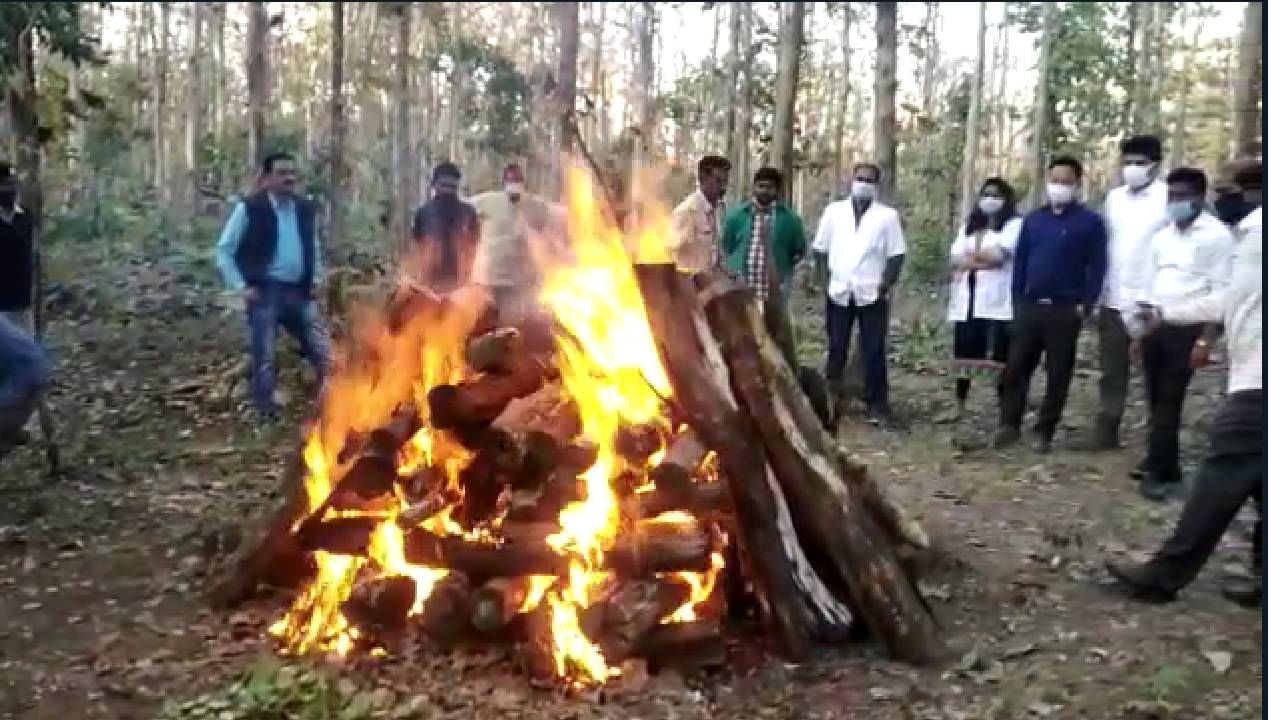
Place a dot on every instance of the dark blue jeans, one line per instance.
(24, 373)
(873, 326)
(289, 307)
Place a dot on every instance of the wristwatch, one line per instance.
(1201, 342)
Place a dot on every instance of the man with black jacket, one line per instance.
(268, 253)
(446, 232)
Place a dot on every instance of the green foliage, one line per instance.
(56, 26)
(929, 159)
(270, 690)
(1168, 682)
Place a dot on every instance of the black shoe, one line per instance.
(1246, 593)
(1005, 437)
(1043, 445)
(1140, 472)
(1131, 584)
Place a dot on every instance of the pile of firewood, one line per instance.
(750, 492)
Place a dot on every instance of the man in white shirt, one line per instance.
(861, 246)
(1134, 213)
(1189, 258)
(697, 221)
(1236, 468)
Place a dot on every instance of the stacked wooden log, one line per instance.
(741, 473)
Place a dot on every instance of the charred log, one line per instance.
(380, 606)
(495, 604)
(482, 400)
(495, 351)
(445, 612)
(674, 475)
(686, 647)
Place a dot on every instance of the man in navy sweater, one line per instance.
(1058, 270)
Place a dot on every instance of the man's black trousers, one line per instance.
(1166, 364)
(1051, 331)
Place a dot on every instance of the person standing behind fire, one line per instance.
(696, 222)
(445, 234)
(504, 262)
(762, 242)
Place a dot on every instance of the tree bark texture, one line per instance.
(782, 155)
(973, 121)
(1035, 150)
(1247, 90)
(337, 128)
(195, 109)
(886, 134)
(256, 78)
(401, 157)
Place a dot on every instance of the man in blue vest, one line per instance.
(268, 253)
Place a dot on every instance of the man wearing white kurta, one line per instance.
(1236, 468)
(1134, 213)
(1190, 258)
(860, 243)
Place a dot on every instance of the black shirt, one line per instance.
(15, 262)
(453, 228)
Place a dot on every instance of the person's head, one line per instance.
(866, 178)
(766, 184)
(996, 203)
(713, 176)
(1063, 186)
(445, 179)
(513, 181)
(1139, 157)
(279, 173)
(1249, 179)
(8, 186)
(1187, 190)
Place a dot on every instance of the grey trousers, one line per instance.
(1113, 357)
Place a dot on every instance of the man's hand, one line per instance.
(1084, 311)
(1200, 353)
(1135, 351)
(884, 290)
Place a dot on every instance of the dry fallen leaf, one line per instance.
(1219, 660)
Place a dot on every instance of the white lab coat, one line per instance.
(992, 299)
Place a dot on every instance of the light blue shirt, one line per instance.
(286, 266)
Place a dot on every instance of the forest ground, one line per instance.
(101, 614)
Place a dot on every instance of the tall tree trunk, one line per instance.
(971, 123)
(791, 38)
(1041, 121)
(1247, 89)
(195, 107)
(641, 87)
(218, 26)
(932, 59)
(1131, 60)
(601, 115)
(400, 144)
(337, 129)
(737, 56)
(256, 78)
(1159, 20)
(1192, 52)
(842, 90)
(746, 109)
(159, 109)
(566, 14)
(886, 137)
(999, 105)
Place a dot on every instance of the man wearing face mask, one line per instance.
(861, 249)
(1236, 467)
(762, 242)
(1058, 269)
(1190, 258)
(1240, 196)
(510, 219)
(1134, 213)
(445, 234)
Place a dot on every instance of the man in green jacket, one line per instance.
(762, 242)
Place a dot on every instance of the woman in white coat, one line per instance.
(980, 304)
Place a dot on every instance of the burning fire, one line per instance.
(608, 364)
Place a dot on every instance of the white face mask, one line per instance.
(1060, 193)
(514, 189)
(862, 190)
(1136, 176)
(990, 205)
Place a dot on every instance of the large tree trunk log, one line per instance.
(674, 475)
(699, 498)
(634, 610)
(647, 551)
(686, 647)
(495, 604)
(794, 603)
(482, 400)
(833, 524)
(269, 546)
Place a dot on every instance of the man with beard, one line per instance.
(445, 233)
(696, 222)
(762, 242)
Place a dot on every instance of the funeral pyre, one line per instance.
(589, 495)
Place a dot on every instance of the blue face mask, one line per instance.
(1180, 210)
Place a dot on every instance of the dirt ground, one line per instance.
(100, 571)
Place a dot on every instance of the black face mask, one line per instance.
(1232, 208)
